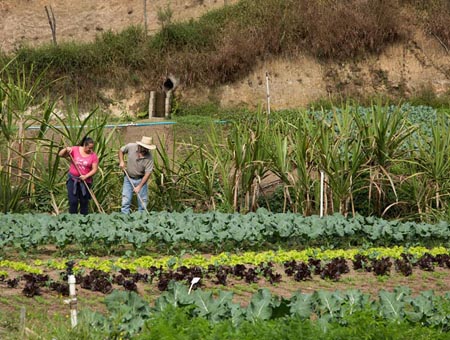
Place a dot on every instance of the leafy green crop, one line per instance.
(128, 313)
(214, 229)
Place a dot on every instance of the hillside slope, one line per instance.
(26, 22)
(420, 64)
(416, 67)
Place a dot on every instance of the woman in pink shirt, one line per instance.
(84, 164)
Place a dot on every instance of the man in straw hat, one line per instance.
(137, 172)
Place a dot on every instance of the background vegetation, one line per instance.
(223, 45)
(383, 160)
(376, 157)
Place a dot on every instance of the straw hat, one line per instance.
(147, 142)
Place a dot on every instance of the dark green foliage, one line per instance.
(127, 314)
(214, 229)
(11, 194)
(323, 315)
(177, 324)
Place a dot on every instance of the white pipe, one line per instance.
(322, 179)
(268, 93)
(72, 300)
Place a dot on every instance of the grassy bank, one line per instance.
(223, 45)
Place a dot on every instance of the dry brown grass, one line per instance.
(226, 45)
(347, 29)
(438, 22)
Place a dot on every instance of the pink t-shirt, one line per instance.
(83, 163)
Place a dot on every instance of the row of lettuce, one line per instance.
(214, 229)
(135, 264)
(100, 275)
(129, 314)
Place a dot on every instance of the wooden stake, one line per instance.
(145, 17)
(268, 93)
(23, 316)
(52, 22)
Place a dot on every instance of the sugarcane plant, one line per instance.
(341, 157)
(291, 149)
(433, 160)
(384, 132)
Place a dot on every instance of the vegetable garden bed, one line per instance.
(308, 272)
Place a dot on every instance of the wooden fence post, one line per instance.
(168, 102)
(151, 104)
(145, 17)
(52, 22)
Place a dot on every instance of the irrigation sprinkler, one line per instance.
(137, 194)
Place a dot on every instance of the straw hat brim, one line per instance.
(147, 146)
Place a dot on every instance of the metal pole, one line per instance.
(137, 194)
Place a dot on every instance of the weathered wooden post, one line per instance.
(145, 17)
(52, 22)
(22, 322)
(151, 104)
(167, 106)
(268, 93)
